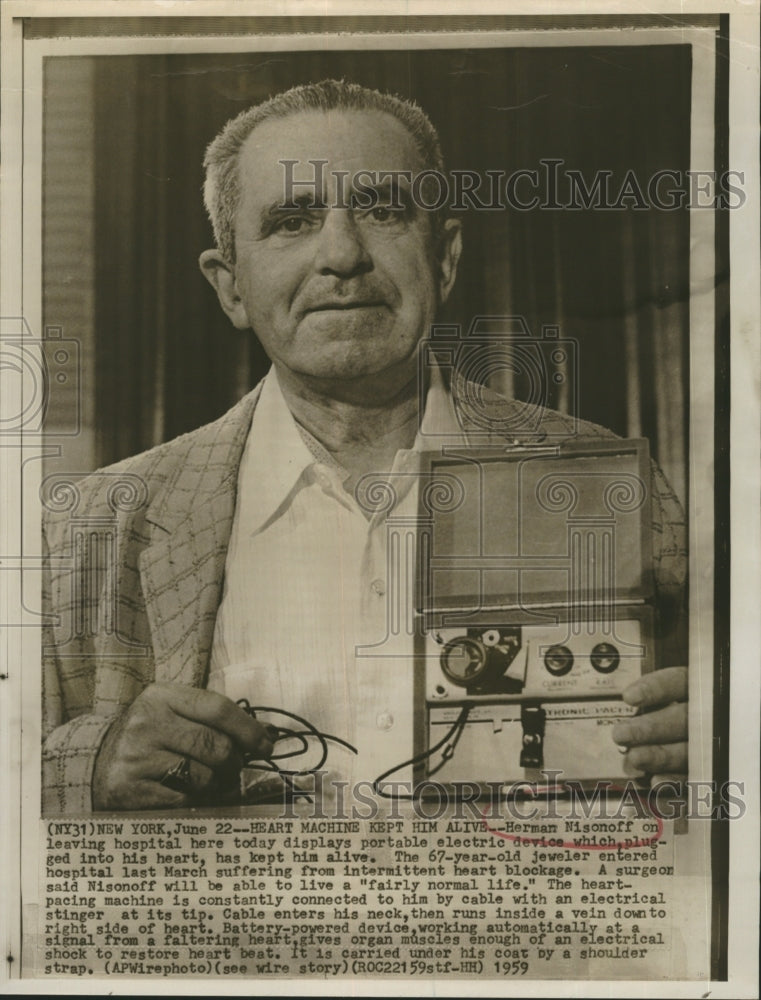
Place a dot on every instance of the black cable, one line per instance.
(288, 734)
(290, 788)
(457, 729)
(449, 752)
(310, 731)
(337, 739)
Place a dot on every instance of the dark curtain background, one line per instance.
(615, 281)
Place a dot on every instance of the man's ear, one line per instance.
(450, 248)
(221, 277)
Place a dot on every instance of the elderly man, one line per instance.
(251, 569)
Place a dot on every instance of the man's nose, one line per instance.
(341, 249)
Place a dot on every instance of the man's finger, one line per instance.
(669, 758)
(667, 725)
(206, 745)
(215, 710)
(658, 688)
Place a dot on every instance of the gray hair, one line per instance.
(221, 191)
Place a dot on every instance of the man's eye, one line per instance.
(296, 224)
(292, 224)
(382, 213)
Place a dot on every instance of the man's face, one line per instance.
(335, 292)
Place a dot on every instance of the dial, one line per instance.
(558, 660)
(463, 660)
(605, 657)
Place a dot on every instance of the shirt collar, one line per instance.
(279, 453)
(439, 417)
(274, 460)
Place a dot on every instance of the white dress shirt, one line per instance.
(310, 580)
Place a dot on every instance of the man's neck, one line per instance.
(362, 433)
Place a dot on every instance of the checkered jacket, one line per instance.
(135, 559)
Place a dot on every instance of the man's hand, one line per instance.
(163, 725)
(657, 739)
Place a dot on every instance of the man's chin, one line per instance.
(358, 368)
(359, 325)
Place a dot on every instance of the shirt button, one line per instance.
(384, 721)
(378, 587)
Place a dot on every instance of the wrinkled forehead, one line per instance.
(341, 140)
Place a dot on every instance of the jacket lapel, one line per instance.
(182, 570)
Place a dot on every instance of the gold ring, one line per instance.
(178, 776)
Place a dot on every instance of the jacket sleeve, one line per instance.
(71, 732)
(68, 760)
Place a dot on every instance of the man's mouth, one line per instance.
(344, 305)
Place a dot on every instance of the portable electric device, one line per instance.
(536, 599)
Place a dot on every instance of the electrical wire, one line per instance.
(303, 736)
(311, 732)
(455, 731)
